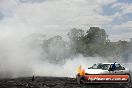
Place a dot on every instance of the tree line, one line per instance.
(93, 42)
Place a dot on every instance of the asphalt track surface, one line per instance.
(52, 82)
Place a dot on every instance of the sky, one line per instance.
(57, 17)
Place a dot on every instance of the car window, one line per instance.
(95, 66)
(118, 67)
(101, 66)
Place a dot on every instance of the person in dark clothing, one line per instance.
(33, 78)
(113, 66)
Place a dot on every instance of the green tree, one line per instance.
(75, 36)
(95, 41)
(96, 35)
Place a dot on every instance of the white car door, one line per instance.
(118, 69)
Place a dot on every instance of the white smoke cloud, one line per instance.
(21, 58)
(68, 69)
(52, 17)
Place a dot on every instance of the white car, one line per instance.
(104, 73)
(104, 68)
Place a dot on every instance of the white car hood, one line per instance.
(95, 71)
(100, 71)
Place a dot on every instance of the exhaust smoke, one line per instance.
(21, 58)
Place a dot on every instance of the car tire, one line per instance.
(81, 80)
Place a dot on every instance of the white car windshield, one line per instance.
(101, 66)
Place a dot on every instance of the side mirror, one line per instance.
(123, 68)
